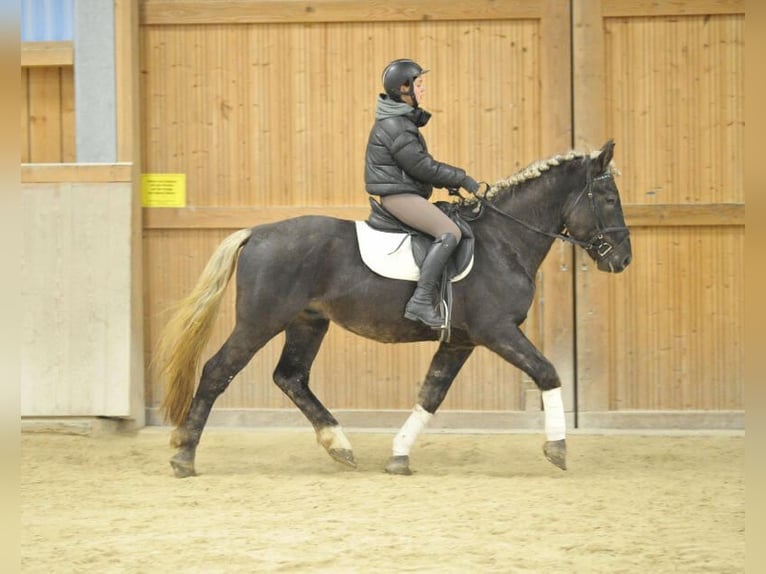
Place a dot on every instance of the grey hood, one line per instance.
(388, 108)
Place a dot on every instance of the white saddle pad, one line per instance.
(390, 254)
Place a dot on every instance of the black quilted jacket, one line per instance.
(397, 159)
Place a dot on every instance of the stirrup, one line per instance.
(445, 304)
(445, 329)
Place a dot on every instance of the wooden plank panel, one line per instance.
(667, 334)
(640, 8)
(127, 50)
(45, 115)
(46, 54)
(671, 329)
(287, 125)
(173, 12)
(689, 214)
(589, 97)
(687, 352)
(76, 172)
(675, 97)
(68, 127)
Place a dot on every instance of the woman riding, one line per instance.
(399, 169)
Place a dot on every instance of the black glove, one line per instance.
(470, 184)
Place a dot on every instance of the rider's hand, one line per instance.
(469, 184)
(476, 188)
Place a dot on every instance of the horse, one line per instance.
(298, 274)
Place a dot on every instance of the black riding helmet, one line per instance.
(398, 72)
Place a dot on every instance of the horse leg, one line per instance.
(513, 345)
(217, 373)
(445, 365)
(303, 337)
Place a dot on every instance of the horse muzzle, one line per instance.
(611, 258)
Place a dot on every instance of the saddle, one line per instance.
(382, 220)
(457, 267)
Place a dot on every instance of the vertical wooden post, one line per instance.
(127, 51)
(555, 275)
(589, 133)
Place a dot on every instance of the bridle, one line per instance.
(598, 246)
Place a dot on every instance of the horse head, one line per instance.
(594, 215)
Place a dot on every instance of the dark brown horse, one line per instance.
(299, 274)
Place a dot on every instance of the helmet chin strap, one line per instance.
(411, 93)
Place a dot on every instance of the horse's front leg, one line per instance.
(512, 344)
(445, 365)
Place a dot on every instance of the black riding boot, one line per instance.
(422, 304)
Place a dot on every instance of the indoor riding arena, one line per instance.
(151, 131)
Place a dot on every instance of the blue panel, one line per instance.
(46, 20)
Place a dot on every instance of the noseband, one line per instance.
(598, 246)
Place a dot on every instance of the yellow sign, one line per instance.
(163, 189)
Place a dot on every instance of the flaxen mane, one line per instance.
(536, 168)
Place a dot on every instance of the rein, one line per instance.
(597, 246)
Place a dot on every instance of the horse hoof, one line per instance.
(182, 468)
(343, 456)
(556, 452)
(399, 465)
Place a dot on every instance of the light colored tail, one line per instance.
(186, 334)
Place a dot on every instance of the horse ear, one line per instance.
(604, 157)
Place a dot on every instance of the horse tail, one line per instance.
(186, 334)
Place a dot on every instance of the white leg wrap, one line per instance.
(555, 422)
(410, 430)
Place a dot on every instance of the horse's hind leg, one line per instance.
(218, 372)
(445, 365)
(303, 338)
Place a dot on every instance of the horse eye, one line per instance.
(611, 199)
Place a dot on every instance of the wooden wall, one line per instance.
(267, 111)
(266, 107)
(47, 103)
(668, 82)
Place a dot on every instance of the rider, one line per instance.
(399, 169)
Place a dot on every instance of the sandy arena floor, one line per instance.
(273, 501)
